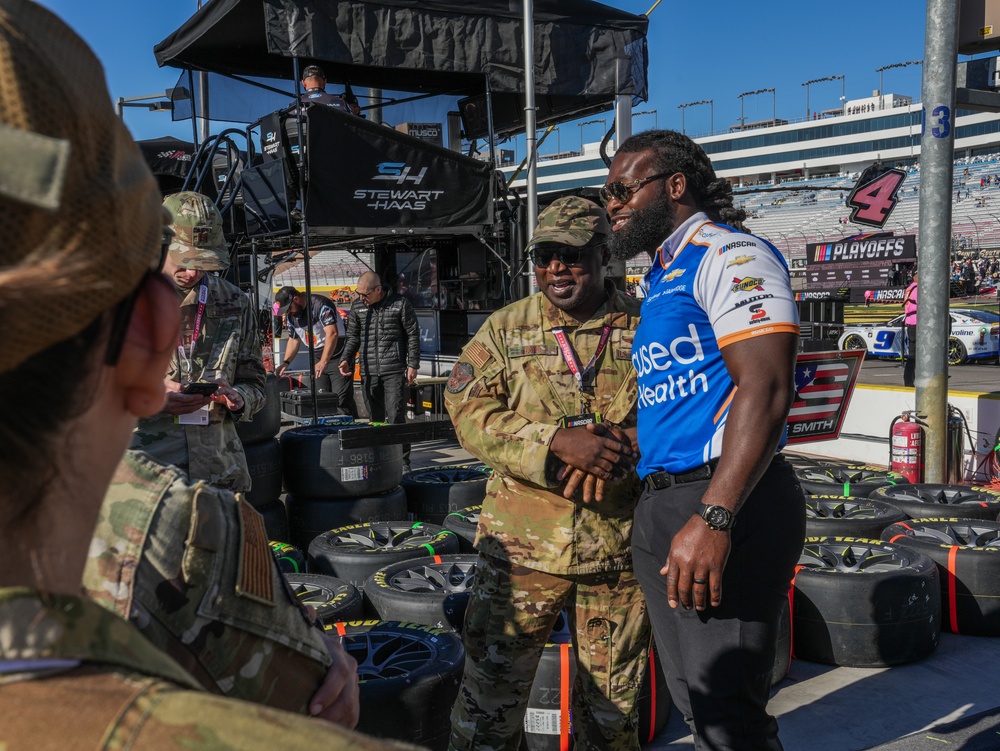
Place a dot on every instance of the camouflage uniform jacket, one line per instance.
(506, 397)
(73, 675)
(191, 567)
(227, 347)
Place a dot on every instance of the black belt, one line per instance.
(662, 480)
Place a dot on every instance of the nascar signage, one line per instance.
(824, 383)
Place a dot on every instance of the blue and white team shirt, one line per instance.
(709, 286)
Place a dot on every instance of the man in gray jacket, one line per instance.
(383, 328)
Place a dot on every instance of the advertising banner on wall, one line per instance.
(824, 383)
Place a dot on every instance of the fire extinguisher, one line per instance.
(906, 441)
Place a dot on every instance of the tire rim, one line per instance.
(841, 508)
(852, 557)
(848, 475)
(384, 537)
(962, 535)
(448, 578)
(310, 593)
(938, 496)
(449, 475)
(387, 655)
(854, 342)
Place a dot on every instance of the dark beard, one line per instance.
(645, 231)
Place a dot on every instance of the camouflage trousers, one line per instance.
(508, 621)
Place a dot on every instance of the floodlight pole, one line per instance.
(936, 175)
(884, 68)
(530, 125)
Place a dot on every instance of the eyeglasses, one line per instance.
(123, 311)
(623, 192)
(543, 256)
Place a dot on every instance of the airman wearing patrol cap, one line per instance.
(544, 388)
(218, 344)
(198, 242)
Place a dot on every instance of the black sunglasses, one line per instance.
(542, 257)
(623, 192)
(123, 312)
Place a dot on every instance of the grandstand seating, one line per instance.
(790, 219)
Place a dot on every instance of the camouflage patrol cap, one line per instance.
(80, 213)
(572, 221)
(198, 240)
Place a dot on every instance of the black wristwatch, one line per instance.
(717, 517)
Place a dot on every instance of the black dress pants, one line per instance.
(718, 662)
(384, 399)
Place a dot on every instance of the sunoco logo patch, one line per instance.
(748, 283)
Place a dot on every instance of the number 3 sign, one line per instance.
(874, 197)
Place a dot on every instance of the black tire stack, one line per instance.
(430, 591)
(263, 453)
(330, 487)
(409, 676)
(432, 493)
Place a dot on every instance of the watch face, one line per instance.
(717, 517)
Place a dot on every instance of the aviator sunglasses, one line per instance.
(543, 256)
(623, 192)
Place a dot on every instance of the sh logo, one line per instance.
(270, 136)
(399, 173)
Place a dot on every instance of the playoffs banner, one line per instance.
(365, 178)
(824, 383)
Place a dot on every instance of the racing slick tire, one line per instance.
(934, 500)
(333, 599)
(434, 492)
(837, 515)
(264, 465)
(854, 482)
(267, 422)
(464, 524)
(408, 679)
(317, 467)
(431, 591)
(309, 517)
(357, 551)
(967, 554)
(864, 603)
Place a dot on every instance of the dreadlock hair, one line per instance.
(674, 152)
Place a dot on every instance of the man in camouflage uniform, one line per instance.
(190, 566)
(535, 369)
(218, 343)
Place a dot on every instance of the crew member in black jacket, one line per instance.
(382, 328)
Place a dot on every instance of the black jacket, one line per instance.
(385, 335)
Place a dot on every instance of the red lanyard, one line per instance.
(570, 356)
(198, 319)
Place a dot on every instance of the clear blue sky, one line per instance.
(713, 49)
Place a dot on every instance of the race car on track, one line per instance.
(975, 335)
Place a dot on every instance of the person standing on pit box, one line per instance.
(526, 396)
(383, 329)
(719, 528)
(218, 344)
(910, 322)
(328, 336)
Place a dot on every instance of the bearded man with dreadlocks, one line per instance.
(720, 524)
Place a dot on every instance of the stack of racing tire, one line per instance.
(329, 487)
(886, 565)
(263, 453)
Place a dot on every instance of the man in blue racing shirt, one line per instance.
(720, 524)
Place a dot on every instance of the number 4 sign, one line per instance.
(874, 197)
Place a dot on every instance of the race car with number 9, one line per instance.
(975, 335)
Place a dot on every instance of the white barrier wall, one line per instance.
(864, 436)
